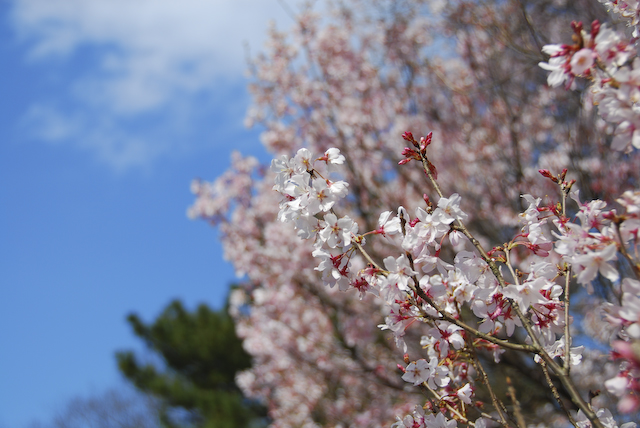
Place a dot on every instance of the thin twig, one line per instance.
(555, 393)
(567, 318)
(623, 249)
(367, 256)
(497, 404)
(517, 411)
(500, 342)
(564, 377)
(459, 417)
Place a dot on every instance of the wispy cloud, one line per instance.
(140, 58)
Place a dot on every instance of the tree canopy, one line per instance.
(199, 355)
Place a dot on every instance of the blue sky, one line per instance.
(108, 110)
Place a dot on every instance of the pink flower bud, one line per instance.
(546, 173)
(408, 136)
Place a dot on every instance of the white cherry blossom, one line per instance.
(417, 372)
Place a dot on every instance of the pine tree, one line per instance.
(195, 383)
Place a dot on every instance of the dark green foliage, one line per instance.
(201, 355)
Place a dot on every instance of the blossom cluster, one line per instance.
(308, 193)
(420, 286)
(354, 76)
(603, 239)
(629, 10)
(611, 63)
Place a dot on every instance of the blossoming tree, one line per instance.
(428, 286)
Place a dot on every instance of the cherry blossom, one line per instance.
(417, 372)
(477, 272)
(582, 61)
(399, 272)
(595, 262)
(439, 421)
(337, 232)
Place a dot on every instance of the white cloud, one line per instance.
(143, 56)
(110, 141)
